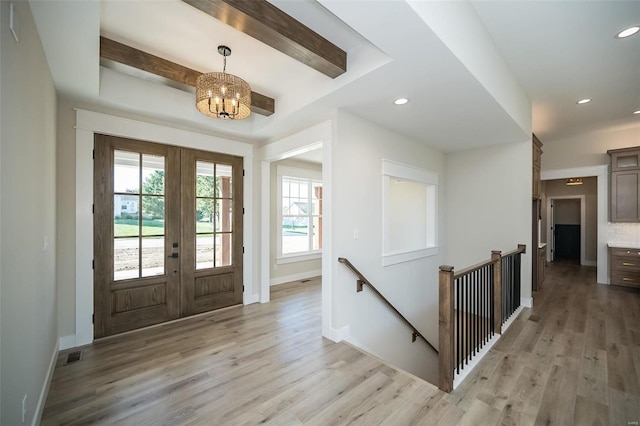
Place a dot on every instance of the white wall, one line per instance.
(28, 323)
(489, 205)
(588, 149)
(287, 272)
(356, 159)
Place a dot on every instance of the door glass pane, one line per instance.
(223, 181)
(223, 215)
(152, 174)
(126, 261)
(223, 249)
(204, 251)
(152, 256)
(152, 215)
(126, 215)
(126, 172)
(205, 215)
(204, 179)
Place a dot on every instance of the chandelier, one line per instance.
(222, 95)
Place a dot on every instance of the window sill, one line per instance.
(298, 258)
(395, 258)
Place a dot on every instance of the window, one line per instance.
(299, 214)
(409, 213)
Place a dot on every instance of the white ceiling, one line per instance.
(559, 51)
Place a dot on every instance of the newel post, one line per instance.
(496, 255)
(445, 329)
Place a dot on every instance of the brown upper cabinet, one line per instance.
(537, 160)
(625, 185)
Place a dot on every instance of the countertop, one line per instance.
(624, 244)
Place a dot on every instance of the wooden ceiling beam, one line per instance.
(127, 55)
(268, 24)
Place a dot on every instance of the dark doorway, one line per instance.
(567, 229)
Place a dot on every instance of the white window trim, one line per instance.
(403, 171)
(293, 172)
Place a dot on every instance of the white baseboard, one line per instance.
(67, 342)
(295, 277)
(511, 319)
(458, 378)
(527, 302)
(339, 334)
(589, 263)
(37, 415)
(248, 299)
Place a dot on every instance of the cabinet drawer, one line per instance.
(625, 263)
(630, 279)
(626, 252)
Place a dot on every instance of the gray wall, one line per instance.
(567, 212)
(558, 188)
(27, 220)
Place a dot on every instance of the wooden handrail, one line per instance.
(363, 280)
(522, 248)
(470, 269)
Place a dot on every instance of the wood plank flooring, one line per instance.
(572, 359)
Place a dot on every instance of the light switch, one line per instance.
(356, 234)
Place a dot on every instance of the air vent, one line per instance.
(74, 356)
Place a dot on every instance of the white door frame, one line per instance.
(551, 222)
(314, 137)
(601, 172)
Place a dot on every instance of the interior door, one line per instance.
(167, 233)
(136, 230)
(211, 231)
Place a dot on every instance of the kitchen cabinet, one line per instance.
(624, 205)
(537, 162)
(624, 266)
(542, 261)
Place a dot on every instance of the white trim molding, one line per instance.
(37, 416)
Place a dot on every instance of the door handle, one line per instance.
(173, 256)
(628, 264)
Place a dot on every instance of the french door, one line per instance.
(167, 233)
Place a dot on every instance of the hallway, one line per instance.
(572, 359)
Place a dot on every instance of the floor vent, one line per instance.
(74, 356)
(534, 318)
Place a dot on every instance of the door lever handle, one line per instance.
(173, 256)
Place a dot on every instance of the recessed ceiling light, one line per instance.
(628, 32)
(584, 101)
(401, 101)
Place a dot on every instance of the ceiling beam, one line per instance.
(268, 24)
(127, 55)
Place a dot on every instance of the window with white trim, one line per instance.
(299, 214)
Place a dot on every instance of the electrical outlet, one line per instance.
(24, 408)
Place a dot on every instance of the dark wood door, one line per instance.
(167, 233)
(211, 231)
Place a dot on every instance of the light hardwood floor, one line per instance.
(572, 359)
